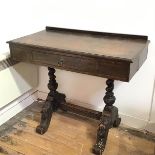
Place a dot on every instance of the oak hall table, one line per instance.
(109, 55)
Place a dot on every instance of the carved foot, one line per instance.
(51, 104)
(47, 111)
(98, 150)
(60, 98)
(117, 122)
(41, 129)
(108, 120)
(102, 134)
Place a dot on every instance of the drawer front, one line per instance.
(102, 67)
(68, 62)
(114, 69)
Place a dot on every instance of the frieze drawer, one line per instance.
(98, 66)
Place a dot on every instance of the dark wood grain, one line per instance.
(73, 108)
(96, 33)
(53, 100)
(109, 55)
(106, 46)
(103, 67)
(109, 119)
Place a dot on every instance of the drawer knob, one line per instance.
(60, 62)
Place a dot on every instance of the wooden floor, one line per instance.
(68, 134)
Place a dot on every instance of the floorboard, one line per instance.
(68, 134)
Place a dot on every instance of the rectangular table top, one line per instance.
(110, 46)
(118, 46)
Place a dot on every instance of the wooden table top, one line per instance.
(117, 46)
(111, 55)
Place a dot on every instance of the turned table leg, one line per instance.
(53, 100)
(109, 118)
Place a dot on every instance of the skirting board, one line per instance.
(151, 127)
(128, 121)
(17, 105)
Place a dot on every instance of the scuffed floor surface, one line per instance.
(68, 134)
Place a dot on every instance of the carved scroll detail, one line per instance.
(108, 119)
(52, 103)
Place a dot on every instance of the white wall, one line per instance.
(123, 16)
(21, 78)
(17, 80)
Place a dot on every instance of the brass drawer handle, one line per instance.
(60, 63)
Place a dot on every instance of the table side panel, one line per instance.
(98, 66)
(138, 62)
(19, 53)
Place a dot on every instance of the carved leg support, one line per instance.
(54, 99)
(108, 119)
